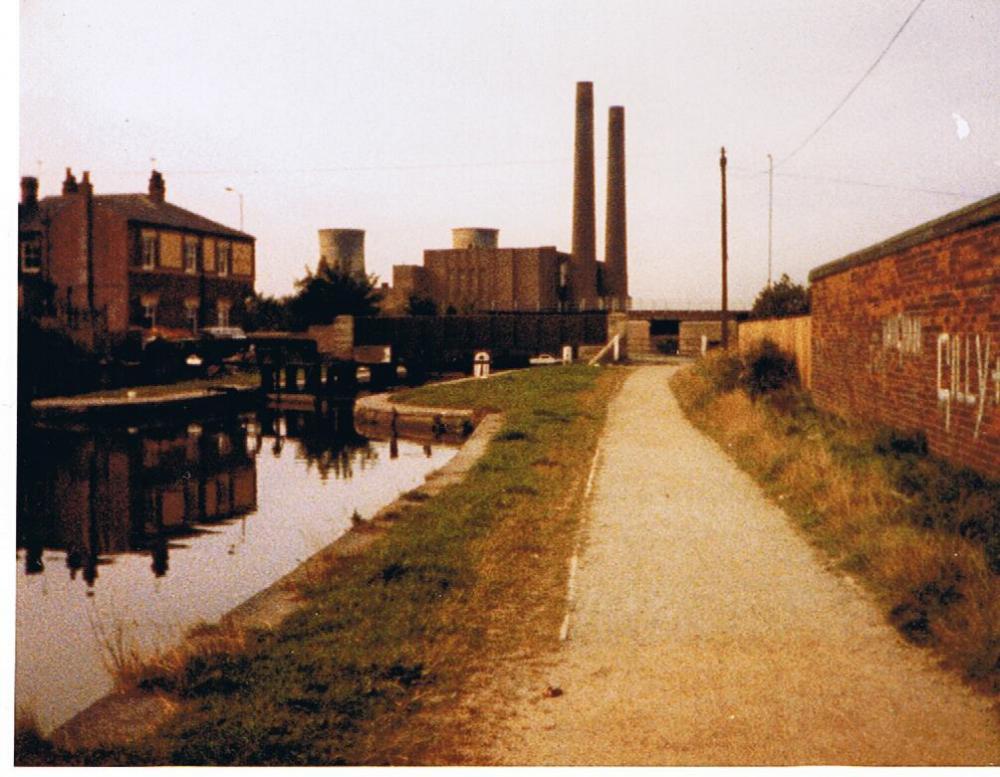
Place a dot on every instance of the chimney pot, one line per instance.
(69, 184)
(85, 186)
(157, 187)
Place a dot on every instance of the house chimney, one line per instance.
(69, 185)
(583, 271)
(157, 187)
(29, 191)
(615, 242)
(86, 187)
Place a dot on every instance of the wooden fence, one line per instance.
(793, 335)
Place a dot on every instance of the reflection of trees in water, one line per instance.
(326, 441)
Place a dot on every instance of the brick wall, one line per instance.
(901, 333)
(691, 333)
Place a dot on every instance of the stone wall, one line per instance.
(906, 333)
(692, 331)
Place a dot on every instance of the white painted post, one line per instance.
(567, 354)
(481, 364)
(704, 344)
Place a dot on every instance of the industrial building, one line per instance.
(477, 275)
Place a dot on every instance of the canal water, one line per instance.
(126, 538)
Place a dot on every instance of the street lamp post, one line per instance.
(240, 195)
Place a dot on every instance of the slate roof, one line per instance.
(141, 208)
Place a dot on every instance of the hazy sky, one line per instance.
(409, 118)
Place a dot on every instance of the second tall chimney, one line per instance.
(615, 239)
(583, 268)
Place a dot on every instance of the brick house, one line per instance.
(113, 267)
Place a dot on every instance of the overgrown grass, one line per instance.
(385, 640)
(920, 534)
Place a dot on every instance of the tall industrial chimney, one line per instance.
(343, 250)
(583, 267)
(615, 239)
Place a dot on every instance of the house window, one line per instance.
(222, 312)
(31, 254)
(224, 258)
(191, 256)
(148, 313)
(149, 250)
(191, 310)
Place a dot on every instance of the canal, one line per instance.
(126, 538)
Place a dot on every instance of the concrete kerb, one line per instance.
(379, 411)
(120, 718)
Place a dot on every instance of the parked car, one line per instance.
(543, 358)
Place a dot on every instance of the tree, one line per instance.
(267, 313)
(322, 296)
(781, 299)
(421, 306)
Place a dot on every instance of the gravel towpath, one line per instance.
(704, 630)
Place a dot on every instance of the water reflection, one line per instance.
(98, 495)
(146, 532)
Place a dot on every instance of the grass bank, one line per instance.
(388, 642)
(921, 535)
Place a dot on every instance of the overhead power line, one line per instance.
(854, 88)
(759, 174)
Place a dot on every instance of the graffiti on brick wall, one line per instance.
(902, 334)
(964, 376)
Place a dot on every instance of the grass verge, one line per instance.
(387, 642)
(923, 536)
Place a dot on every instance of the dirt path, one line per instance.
(704, 630)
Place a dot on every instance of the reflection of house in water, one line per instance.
(99, 495)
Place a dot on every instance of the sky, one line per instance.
(407, 119)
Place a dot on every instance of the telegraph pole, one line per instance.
(725, 254)
(770, 212)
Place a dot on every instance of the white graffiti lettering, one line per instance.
(955, 355)
(903, 334)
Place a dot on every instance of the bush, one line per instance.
(722, 370)
(781, 299)
(768, 369)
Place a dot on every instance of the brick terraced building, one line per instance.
(906, 333)
(103, 266)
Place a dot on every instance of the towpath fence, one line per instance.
(792, 335)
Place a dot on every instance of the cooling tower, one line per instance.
(474, 237)
(343, 250)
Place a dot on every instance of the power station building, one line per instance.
(476, 275)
